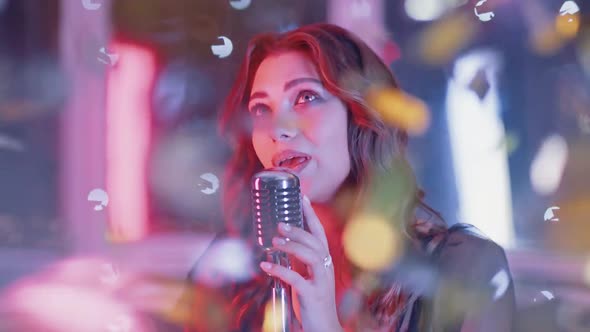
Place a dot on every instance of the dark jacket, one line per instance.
(463, 282)
(473, 287)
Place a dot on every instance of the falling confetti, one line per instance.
(500, 282)
(240, 4)
(107, 58)
(99, 196)
(92, 4)
(483, 16)
(550, 214)
(548, 295)
(223, 50)
(209, 183)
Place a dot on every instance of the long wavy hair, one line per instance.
(348, 68)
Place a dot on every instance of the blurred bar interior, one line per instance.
(110, 163)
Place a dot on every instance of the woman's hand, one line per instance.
(316, 294)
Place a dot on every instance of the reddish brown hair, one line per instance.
(348, 68)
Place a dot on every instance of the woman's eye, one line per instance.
(306, 97)
(257, 110)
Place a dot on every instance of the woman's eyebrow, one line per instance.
(290, 84)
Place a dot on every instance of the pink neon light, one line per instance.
(128, 131)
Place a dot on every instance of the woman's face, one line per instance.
(291, 110)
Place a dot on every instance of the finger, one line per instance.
(313, 222)
(287, 275)
(302, 236)
(313, 259)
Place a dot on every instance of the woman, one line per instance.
(301, 95)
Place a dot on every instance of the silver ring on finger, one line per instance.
(328, 261)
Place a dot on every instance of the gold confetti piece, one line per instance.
(443, 39)
(371, 243)
(400, 109)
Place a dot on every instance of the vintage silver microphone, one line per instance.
(276, 197)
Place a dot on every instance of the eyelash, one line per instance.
(316, 96)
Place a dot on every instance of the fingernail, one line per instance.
(280, 241)
(265, 265)
(286, 227)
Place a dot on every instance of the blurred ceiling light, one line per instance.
(428, 10)
(475, 129)
(548, 165)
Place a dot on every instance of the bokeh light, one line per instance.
(226, 261)
(273, 315)
(567, 23)
(371, 243)
(400, 109)
(428, 10)
(443, 39)
(548, 165)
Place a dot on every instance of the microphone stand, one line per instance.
(282, 309)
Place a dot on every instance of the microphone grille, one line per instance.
(276, 197)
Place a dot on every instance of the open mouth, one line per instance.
(295, 164)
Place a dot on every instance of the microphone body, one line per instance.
(276, 197)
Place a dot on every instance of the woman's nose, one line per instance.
(284, 127)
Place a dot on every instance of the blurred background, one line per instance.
(110, 164)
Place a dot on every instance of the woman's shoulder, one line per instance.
(467, 252)
(474, 268)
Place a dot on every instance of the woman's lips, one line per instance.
(299, 167)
